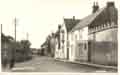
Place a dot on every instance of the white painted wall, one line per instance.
(74, 37)
(62, 53)
(71, 46)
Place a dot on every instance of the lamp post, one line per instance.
(27, 36)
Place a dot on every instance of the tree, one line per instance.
(25, 44)
(6, 38)
(26, 49)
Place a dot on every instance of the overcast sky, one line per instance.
(41, 17)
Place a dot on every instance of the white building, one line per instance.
(79, 43)
(62, 42)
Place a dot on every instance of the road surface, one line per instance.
(48, 64)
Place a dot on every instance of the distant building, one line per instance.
(52, 45)
(44, 48)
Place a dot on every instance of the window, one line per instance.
(68, 43)
(59, 45)
(85, 46)
(112, 23)
(80, 34)
(63, 47)
(72, 36)
(72, 49)
(63, 36)
(76, 37)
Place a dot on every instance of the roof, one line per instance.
(70, 23)
(109, 14)
(101, 16)
(87, 20)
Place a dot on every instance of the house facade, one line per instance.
(79, 44)
(60, 49)
(62, 42)
(103, 36)
(94, 38)
(79, 37)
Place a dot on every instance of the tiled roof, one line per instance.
(101, 16)
(87, 20)
(110, 14)
(70, 23)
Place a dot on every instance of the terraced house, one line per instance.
(62, 41)
(94, 38)
(103, 36)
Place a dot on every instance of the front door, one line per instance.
(82, 51)
(89, 51)
(67, 53)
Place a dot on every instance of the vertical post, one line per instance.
(27, 36)
(15, 29)
(1, 28)
(12, 61)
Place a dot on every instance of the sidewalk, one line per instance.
(89, 64)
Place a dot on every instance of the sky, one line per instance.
(39, 18)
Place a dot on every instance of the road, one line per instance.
(48, 64)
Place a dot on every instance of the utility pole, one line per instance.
(15, 28)
(1, 28)
(27, 36)
(12, 61)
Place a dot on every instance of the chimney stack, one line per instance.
(95, 7)
(110, 4)
(73, 17)
(59, 26)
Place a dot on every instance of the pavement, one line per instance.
(49, 64)
(90, 64)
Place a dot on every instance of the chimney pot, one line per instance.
(109, 4)
(95, 7)
(59, 26)
(73, 17)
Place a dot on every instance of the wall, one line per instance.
(71, 46)
(104, 47)
(79, 44)
(62, 52)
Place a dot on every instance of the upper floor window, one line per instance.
(72, 38)
(85, 46)
(63, 36)
(80, 34)
(75, 36)
(63, 33)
